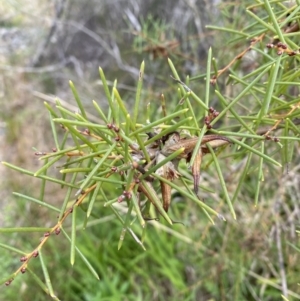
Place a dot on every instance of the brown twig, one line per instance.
(238, 57)
(54, 230)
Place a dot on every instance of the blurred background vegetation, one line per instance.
(44, 44)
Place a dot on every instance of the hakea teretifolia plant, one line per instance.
(131, 156)
(134, 157)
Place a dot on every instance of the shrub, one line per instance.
(136, 159)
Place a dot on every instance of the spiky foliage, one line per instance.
(133, 162)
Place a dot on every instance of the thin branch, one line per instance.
(238, 57)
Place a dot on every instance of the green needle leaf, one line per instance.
(255, 151)
(46, 274)
(138, 94)
(77, 98)
(84, 259)
(73, 236)
(222, 182)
